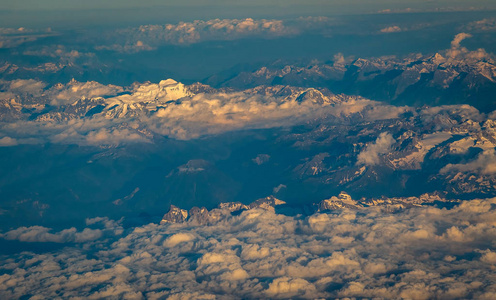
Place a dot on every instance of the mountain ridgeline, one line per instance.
(416, 80)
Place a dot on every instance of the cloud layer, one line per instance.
(13, 37)
(420, 253)
(148, 37)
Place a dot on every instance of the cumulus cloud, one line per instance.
(71, 235)
(489, 257)
(261, 159)
(74, 90)
(487, 24)
(129, 47)
(57, 51)
(42, 234)
(457, 52)
(214, 113)
(484, 164)
(464, 111)
(371, 155)
(391, 29)
(422, 252)
(285, 287)
(7, 141)
(178, 238)
(113, 137)
(31, 87)
(455, 43)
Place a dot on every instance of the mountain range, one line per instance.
(134, 151)
(468, 77)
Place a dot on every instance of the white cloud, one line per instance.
(74, 90)
(261, 159)
(484, 164)
(489, 257)
(371, 155)
(8, 141)
(113, 137)
(59, 51)
(214, 113)
(391, 29)
(487, 24)
(278, 188)
(464, 111)
(178, 238)
(13, 37)
(285, 287)
(455, 43)
(27, 86)
(42, 234)
(462, 54)
(71, 235)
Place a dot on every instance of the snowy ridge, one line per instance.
(204, 216)
(343, 201)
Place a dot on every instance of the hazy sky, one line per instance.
(339, 6)
(63, 13)
(95, 4)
